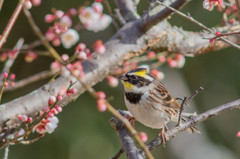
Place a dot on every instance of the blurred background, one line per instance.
(83, 132)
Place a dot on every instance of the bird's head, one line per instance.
(136, 79)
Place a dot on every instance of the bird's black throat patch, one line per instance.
(133, 98)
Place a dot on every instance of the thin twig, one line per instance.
(1, 4)
(34, 78)
(11, 22)
(194, 121)
(118, 154)
(8, 64)
(106, 3)
(199, 24)
(195, 93)
(6, 152)
(181, 109)
(238, 8)
(40, 35)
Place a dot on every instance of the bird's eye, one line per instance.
(134, 77)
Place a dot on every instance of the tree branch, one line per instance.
(150, 21)
(121, 130)
(127, 10)
(194, 121)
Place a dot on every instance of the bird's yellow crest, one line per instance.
(141, 73)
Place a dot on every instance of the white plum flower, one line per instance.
(69, 38)
(52, 124)
(65, 21)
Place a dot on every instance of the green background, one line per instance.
(83, 132)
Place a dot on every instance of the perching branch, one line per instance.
(178, 129)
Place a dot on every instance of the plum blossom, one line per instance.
(209, 4)
(47, 125)
(93, 18)
(69, 38)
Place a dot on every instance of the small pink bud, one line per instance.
(171, 63)
(72, 11)
(58, 108)
(49, 18)
(101, 105)
(74, 90)
(19, 117)
(218, 33)
(97, 7)
(3, 56)
(36, 2)
(51, 100)
(56, 41)
(112, 81)
(29, 120)
(65, 57)
(54, 111)
(5, 74)
(59, 14)
(13, 76)
(50, 114)
(157, 74)
(211, 41)
(59, 98)
(143, 136)
(101, 95)
(81, 47)
(81, 55)
(99, 47)
(5, 84)
(46, 109)
(161, 58)
(28, 4)
(151, 54)
(100, 1)
(238, 134)
(50, 35)
(24, 118)
(30, 56)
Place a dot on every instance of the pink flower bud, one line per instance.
(101, 95)
(99, 47)
(19, 117)
(30, 56)
(238, 134)
(65, 57)
(54, 111)
(29, 120)
(36, 2)
(171, 63)
(28, 4)
(5, 84)
(74, 90)
(161, 58)
(218, 33)
(59, 14)
(5, 74)
(143, 136)
(58, 108)
(3, 57)
(56, 41)
(101, 105)
(46, 109)
(49, 18)
(50, 35)
(97, 7)
(50, 114)
(81, 55)
(72, 11)
(81, 47)
(112, 81)
(24, 118)
(211, 41)
(51, 100)
(59, 98)
(157, 74)
(13, 76)
(151, 54)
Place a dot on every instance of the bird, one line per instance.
(148, 100)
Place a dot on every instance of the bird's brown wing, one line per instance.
(165, 96)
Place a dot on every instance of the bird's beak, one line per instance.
(123, 77)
